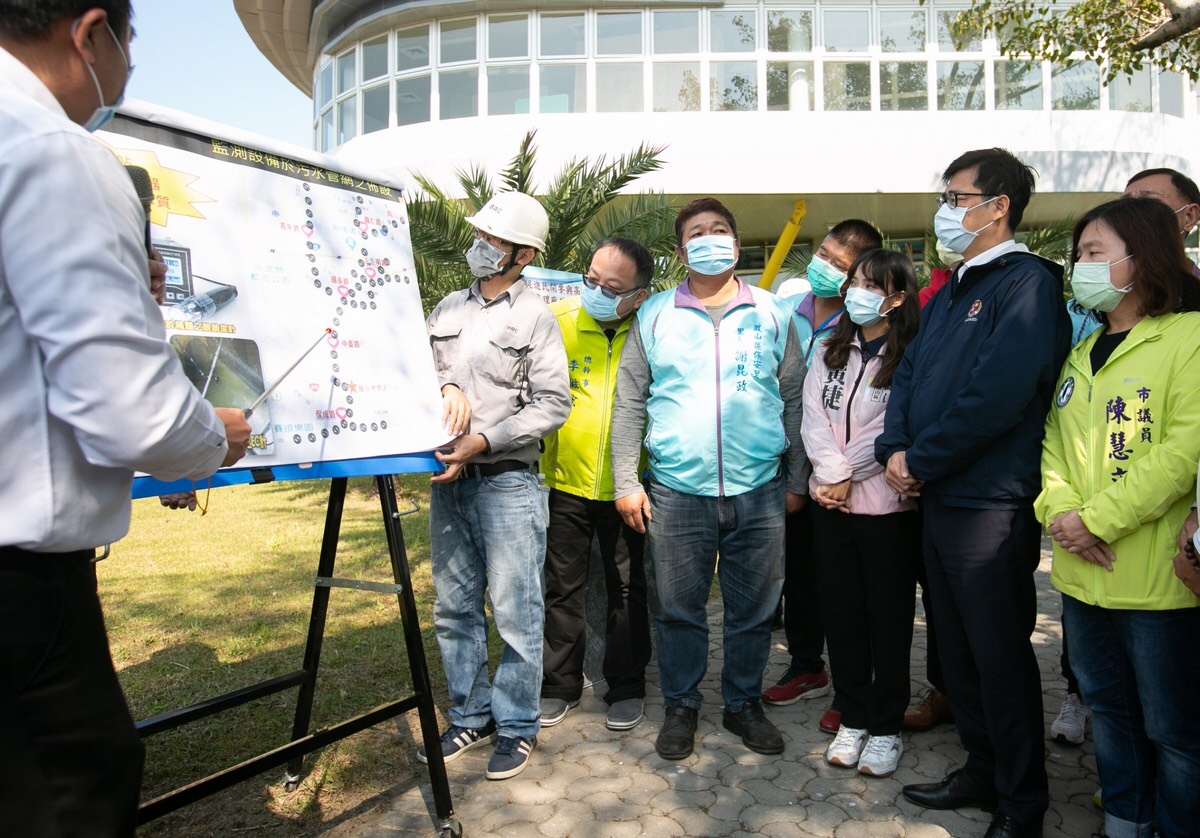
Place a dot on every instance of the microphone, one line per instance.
(145, 192)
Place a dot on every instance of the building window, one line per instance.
(508, 90)
(1131, 92)
(677, 86)
(946, 40)
(869, 55)
(375, 58)
(346, 75)
(903, 86)
(733, 31)
(902, 30)
(1019, 85)
(789, 86)
(562, 35)
(847, 86)
(846, 30)
(412, 48)
(564, 88)
(676, 32)
(789, 30)
(1075, 88)
(960, 85)
(457, 41)
(412, 100)
(1170, 93)
(347, 120)
(619, 88)
(508, 36)
(458, 94)
(327, 138)
(733, 86)
(375, 108)
(325, 85)
(619, 33)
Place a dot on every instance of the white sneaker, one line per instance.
(881, 756)
(845, 748)
(1072, 721)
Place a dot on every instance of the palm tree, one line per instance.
(583, 203)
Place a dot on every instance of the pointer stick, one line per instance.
(212, 367)
(286, 373)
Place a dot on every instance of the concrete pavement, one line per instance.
(585, 781)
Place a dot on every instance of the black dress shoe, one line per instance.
(954, 792)
(1005, 827)
(678, 733)
(756, 730)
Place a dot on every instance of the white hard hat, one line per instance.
(514, 217)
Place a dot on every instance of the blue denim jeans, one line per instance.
(685, 535)
(490, 532)
(1140, 676)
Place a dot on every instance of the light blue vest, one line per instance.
(715, 416)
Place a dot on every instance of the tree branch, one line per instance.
(1183, 17)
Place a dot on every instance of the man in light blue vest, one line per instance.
(713, 374)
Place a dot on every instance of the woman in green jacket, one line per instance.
(1118, 475)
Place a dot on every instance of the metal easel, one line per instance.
(302, 741)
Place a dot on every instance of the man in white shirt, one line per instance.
(92, 393)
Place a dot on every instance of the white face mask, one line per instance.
(862, 306)
(1181, 209)
(950, 231)
(104, 113)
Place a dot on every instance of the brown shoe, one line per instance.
(933, 710)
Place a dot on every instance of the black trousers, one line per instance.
(933, 660)
(70, 759)
(866, 565)
(573, 523)
(802, 624)
(980, 564)
(1068, 673)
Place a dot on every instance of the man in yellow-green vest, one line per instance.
(578, 470)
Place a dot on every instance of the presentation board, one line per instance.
(272, 252)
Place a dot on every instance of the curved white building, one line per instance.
(854, 105)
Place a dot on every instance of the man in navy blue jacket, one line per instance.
(964, 431)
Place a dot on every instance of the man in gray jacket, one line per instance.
(503, 370)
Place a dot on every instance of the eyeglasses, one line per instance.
(608, 292)
(952, 198)
(491, 239)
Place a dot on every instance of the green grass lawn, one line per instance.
(198, 606)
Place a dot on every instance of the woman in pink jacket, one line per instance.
(866, 537)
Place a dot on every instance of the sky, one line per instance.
(195, 56)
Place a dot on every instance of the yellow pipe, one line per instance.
(784, 244)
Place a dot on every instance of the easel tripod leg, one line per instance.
(316, 625)
(448, 825)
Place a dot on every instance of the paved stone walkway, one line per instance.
(589, 782)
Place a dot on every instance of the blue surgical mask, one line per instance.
(825, 279)
(599, 305)
(711, 255)
(104, 114)
(949, 229)
(484, 259)
(1091, 284)
(862, 306)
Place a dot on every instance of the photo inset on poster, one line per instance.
(227, 371)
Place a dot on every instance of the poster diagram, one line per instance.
(265, 253)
